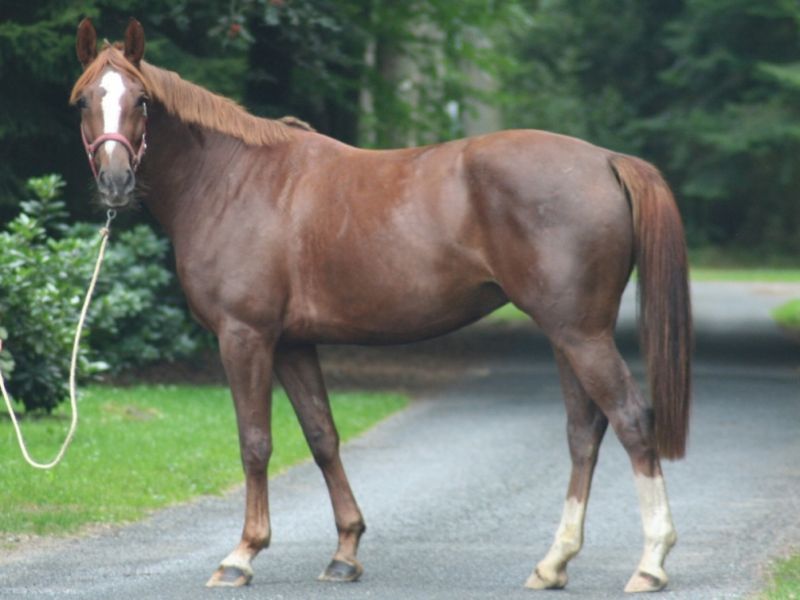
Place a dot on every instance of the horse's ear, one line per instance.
(86, 43)
(134, 42)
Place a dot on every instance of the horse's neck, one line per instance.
(181, 165)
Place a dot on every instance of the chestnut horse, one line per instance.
(285, 238)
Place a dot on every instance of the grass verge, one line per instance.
(754, 275)
(509, 313)
(142, 448)
(788, 315)
(785, 580)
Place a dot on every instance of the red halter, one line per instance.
(91, 149)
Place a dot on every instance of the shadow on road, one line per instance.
(727, 338)
(733, 328)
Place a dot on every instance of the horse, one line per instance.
(285, 239)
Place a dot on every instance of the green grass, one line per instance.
(785, 580)
(747, 275)
(741, 257)
(146, 447)
(509, 313)
(788, 315)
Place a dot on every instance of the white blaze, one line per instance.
(111, 105)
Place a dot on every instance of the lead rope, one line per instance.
(104, 233)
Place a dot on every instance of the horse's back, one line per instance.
(546, 178)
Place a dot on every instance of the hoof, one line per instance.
(547, 581)
(646, 582)
(340, 570)
(229, 577)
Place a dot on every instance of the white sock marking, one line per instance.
(238, 559)
(111, 105)
(659, 533)
(551, 570)
(569, 536)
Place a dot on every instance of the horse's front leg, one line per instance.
(247, 356)
(298, 369)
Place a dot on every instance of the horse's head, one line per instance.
(112, 97)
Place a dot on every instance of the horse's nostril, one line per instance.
(103, 180)
(129, 181)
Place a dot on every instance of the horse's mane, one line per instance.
(187, 101)
(296, 123)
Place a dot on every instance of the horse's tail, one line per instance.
(665, 320)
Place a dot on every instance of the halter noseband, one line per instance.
(136, 157)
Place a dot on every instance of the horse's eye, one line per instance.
(141, 101)
(81, 103)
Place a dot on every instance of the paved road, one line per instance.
(462, 492)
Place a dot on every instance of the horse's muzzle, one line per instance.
(116, 187)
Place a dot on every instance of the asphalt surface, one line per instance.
(462, 492)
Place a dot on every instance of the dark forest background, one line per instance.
(709, 90)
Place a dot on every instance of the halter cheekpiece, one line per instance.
(136, 157)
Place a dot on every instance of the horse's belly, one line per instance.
(392, 318)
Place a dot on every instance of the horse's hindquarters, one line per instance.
(558, 228)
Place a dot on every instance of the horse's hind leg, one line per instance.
(586, 425)
(298, 369)
(606, 379)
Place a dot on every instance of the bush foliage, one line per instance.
(45, 268)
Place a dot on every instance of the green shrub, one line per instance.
(45, 267)
(138, 317)
(40, 296)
